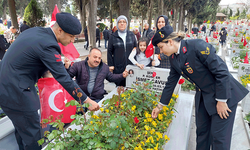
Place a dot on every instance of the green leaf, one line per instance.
(113, 144)
(126, 145)
(67, 104)
(72, 117)
(41, 141)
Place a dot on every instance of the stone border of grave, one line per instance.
(6, 127)
(247, 126)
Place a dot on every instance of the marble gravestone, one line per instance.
(137, 75)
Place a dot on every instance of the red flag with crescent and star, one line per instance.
(150, 49)
(68, 51)
(53, 98)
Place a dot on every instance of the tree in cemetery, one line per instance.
(243, 14)
(124, 9)
(20, 6)
(33, 15)
(237, 14)
(48, 6)
(139, 8)
(67, 9)
(4, 10)
(230, 14)
(12, 9)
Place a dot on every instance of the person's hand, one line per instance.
(153, 62)
(222, 109)
(111, 68)
(159, 57)
(141, 66)
(67, 62)
(125, 73)
(155, 112)
(93, 106)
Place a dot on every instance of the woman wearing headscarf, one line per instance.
(161, 21)
(120, 45)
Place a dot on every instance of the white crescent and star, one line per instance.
(52, 100)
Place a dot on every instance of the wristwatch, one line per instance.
(160, 108)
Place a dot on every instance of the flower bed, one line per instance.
(187, 86)
(245, 79)
(124, 122)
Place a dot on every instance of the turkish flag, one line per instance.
(150, 49)
(187, 35)
(68, 51)
(214, 36)
(171, 12)
(206, 39)
(53, 98)
(242, 39)
(245, 42)
(53, 16)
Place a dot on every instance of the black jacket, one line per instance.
(80, 70)
(24, 27)
(97, 33)
(118, 53)
(223, 34)
(201, 66)
(148, 31)
(106, 34)
(204, 29)
(24, 63)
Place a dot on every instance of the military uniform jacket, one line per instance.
(33, 52)
(200, 65)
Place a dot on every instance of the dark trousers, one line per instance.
(223, 41)
(27, 128)
(98, 39)
(212, 130)
(106, 43)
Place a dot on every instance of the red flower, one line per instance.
(136, 120)
(116, 104)
(154, 74)
(155, 95)
(181, 81)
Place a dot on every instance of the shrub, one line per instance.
(33, 15)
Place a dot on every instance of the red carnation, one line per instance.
(154, 74)
(116, 104)
(136, 120)
(181, 81)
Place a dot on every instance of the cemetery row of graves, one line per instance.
(124, 120)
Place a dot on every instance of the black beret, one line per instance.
(68, 23)
(162, 34)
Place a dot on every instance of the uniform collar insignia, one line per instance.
(184, 49)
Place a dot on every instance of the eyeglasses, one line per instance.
(122, 21)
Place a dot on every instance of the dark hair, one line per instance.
(143, 39)
(93, 49)
(131, 70)
(24, 22)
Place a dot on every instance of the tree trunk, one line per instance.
(183, 19)
(124, 10)
(189, 23)
(82, 12)
(175, 17)
(12, 10)
(180, 18)
(151, 3)
(52, 4)
(92, 16)
(4, 12)
(111, 16)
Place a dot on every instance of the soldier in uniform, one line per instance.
(35, 51)
(217, 92)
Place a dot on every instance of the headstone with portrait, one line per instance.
(138, 76)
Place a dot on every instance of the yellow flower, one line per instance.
(165, 108)
(147, 127)
(123, 95)
(95, 117)
(131, 90)
(107, 110)
(152, 131)
(116, 126)
(172, 112)
(154, 123)
(123, 148)
(122, 107)
(146, 132)
(111, 108)
(142, 143)
(166, 138)
(156, 147)
(160, 116)
(91, 122)
(149, 119)
(101, 109)
(133, 108)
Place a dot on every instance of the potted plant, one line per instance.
(123, 122)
